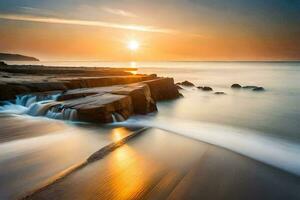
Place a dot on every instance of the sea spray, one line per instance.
(259, 146)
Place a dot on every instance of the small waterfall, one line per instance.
(114, 117)
(56, 112)
(40, 108)
(117, 117)
(43, 105)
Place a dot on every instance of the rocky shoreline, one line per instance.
(100, 95)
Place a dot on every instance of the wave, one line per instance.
(270, 150)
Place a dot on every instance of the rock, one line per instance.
(100, 98)
(141, 97)
(220, 93)
(186, 83)
(206, 88)
(5, 76)
(3, 64)
(153, 75)
(178, 87)
(236, 86)
(39, 84)
(249, 87)
(258, 89)
(254, 88)
(104, 104)
(163, 89)
(99, 108)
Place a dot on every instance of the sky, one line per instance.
(165, 29)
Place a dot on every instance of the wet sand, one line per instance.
(161, 165)
(33, 150)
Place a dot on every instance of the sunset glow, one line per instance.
(174, 30)
(133, 45)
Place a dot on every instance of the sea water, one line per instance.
(255, 124)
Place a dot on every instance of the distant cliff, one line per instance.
(16, 57)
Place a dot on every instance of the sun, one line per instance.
(133, 45)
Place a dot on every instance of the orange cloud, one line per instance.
(84, 23)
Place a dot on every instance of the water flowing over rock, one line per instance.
(98, 104)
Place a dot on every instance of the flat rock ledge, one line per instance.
(119, 102)
(101, 104)
(98, 95)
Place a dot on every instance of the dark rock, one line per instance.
(254, 88)
(249, 87)
(3, 64)
(186, 83)
(220, 93)
(236, 86)
(178, 87)
(5, 76)
(206, 88)
(258, 89)
(163, 89)
(200, 87)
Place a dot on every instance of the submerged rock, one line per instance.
(186, 83)
(236, 86)
(254, 88)
(258, 89)
(220, 93)
(249, 87)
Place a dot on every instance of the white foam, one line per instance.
(259, 146)
(39, 106)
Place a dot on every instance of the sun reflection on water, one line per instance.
(129, 178)
(119, 133)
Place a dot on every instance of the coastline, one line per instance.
(91, 95)
(174, 167)
(174, 183)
